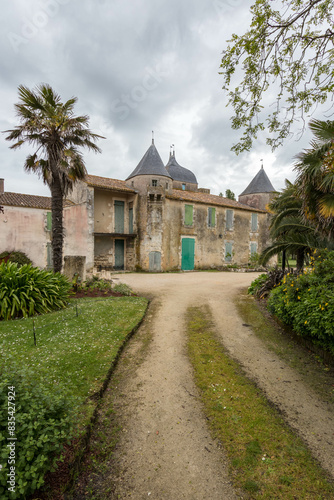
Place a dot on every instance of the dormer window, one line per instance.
(154, 182)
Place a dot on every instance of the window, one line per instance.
(229, 220)
(151, 197)
(154, 182)
(211, 217)
(158, 197)
(228, 251)
(188, 215)
(167, 185)
(183, 187)
(254, 222)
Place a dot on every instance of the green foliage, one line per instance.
(27, 290)
(44, 416)
(123, 289)
(257, 283)
(229, 194)
(288, 48)
(96, 283)
(264, 283)
(19, 257)
(306, 302)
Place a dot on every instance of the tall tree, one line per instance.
(288, 49)
(229, 194)
(315, 178)
(51, 126)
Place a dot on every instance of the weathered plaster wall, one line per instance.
(24, 230)
(256, 200)
(79, 238)
(210, 241)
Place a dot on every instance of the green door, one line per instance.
(119, 254)
(119, 216)
(188, 254)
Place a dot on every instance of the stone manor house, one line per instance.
(158, 219)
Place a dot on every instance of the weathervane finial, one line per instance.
(152, 136)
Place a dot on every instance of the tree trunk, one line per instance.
(283, 260)
(57, 224)
(300, 260)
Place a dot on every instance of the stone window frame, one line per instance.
(154, 182)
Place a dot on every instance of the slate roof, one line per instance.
(179, 173)
(150, 164)
(209, 199)
(260, 184)
(106, 183)
(25, 200)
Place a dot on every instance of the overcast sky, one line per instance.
(135, 67)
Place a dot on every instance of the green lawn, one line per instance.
(75, 347)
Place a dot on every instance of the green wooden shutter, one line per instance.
(49, 221)
(119, 216)
(188, 215)
(254, 222)
(211, 217)
(130, 220)
(253, 248)
(228, 251)
(229, 219)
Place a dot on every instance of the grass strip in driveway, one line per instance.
(267, 460)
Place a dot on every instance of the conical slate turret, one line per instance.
(150, 164)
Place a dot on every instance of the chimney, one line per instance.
(2, 186)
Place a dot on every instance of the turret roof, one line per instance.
(179, 173)
(150, 164)
(260, 184)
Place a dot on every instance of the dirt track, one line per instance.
(165, 450)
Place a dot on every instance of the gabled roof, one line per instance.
(150, 164)
(260, 184)
(28, 201)
(179, 173)
(208, 199)
(25, 200)
(106, 183)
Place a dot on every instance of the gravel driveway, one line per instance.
(166, 451)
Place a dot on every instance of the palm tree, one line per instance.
(315, 179)
(50, 125)
(288, 230)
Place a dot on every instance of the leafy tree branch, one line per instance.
(288, 49)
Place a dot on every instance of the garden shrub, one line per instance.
(44, 419)
(28, 290)
(306, 302)
(257, 283)
(264, 283)
(18, 257)
(123, 288)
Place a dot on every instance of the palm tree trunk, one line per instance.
(57, 224)
(300, 260)
(283, 260)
